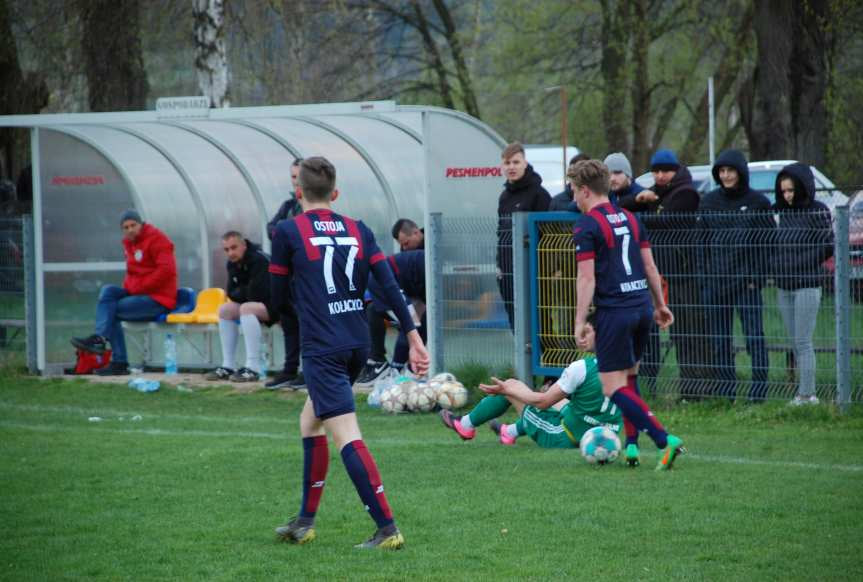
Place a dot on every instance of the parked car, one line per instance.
(547, 161)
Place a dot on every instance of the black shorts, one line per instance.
(621, 336)
(330, 380)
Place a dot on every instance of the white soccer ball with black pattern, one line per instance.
(451, 395)
(599, 445)
(422, 398)
(394, 399)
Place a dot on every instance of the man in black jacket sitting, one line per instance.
(248, 305)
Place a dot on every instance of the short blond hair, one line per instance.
(512, 149)
(591, 173)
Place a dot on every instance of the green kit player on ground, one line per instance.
(556, 418)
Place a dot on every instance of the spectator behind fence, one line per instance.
(149, 290)
(523, 192)
(737, 229)
(668, 211)
(804, 240)
(248, 305)
(563, 200)
(623, 187)
(290, 376)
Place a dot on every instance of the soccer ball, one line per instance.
(443, 377)
(422, 398)
(394, 399)
(599, 445)
(451, 395)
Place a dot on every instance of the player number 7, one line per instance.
(624, 230)
(329, 243)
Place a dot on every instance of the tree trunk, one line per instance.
(640, 86)
(615, 32)
(433, 53)
(769, 129)
(113, 58)
(211, 61)
(468, 96)
(809, 71)
(724, 78)
(19, 93)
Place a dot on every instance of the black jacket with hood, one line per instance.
(737, 228)
(804, 235)
(249, 279)
(524, 195)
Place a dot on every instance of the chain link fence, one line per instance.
(756, 311)
(13, 309)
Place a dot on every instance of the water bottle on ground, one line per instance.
(170, 354)
(144, 385)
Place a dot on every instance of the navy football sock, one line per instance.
(636, 410)
(367, 481)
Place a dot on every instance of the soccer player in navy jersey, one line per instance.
(616, 271)
(326, 258)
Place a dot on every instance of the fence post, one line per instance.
(842, 296)
(521, 298)
(29, 291)
(434, 292)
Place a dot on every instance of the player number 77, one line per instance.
(329, 243)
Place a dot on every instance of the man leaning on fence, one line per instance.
(149, 290)
(737, 232)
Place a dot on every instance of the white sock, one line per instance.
(511, 430)
(228, 332)
(465, 421)
(252, 338)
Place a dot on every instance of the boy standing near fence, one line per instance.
(616, 266)
(326, 258)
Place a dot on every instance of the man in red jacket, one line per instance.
(148, 291)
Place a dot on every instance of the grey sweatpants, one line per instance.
(799, 310)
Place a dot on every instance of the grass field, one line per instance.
(193, 488)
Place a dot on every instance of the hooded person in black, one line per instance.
(804, 240)
(523, 192)
(737, 226)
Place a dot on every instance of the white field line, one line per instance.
(383, 441)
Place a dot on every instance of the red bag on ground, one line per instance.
(88, 362)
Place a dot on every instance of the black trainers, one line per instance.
(386, 538)
(94, 343)
(281, 380)
(298, 382)
(371, 372)
(114, 369)
(245, 375)
(220, 373)
(295, 533)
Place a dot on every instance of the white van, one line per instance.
(547, 161)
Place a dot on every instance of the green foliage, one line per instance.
(193, 489)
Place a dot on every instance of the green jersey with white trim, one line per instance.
(580, 381)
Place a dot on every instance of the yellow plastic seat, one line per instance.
(206, 308)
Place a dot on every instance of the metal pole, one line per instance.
(563, 125)
(842, 295)
(29, 292)
(711, 121)
(434, 292)
(521, 298)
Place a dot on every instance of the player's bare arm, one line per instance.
(585, 284)
(662, 314)
(518, 390)
(418, 355)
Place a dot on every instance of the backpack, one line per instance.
(88, 362)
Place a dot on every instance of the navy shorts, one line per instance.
(330, 380)
(621, 336)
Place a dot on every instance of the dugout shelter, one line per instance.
(196, 173)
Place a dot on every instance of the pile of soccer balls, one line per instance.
(409, 395)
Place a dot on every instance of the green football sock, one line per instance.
(488, 408)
